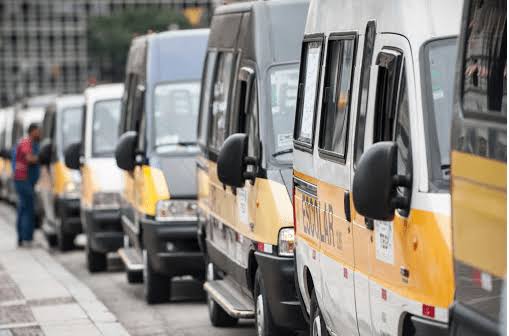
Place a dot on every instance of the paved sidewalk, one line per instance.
(39, 297)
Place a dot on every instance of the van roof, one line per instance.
(417, 20)
(64, 101)
(274, 35)
(104, 91)
(161, 52)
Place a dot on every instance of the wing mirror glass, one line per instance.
(45, 152)
(376, 183)
(233, 161)
(125, 152)
(72, 156)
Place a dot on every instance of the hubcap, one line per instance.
(259, 315)
(317, 326)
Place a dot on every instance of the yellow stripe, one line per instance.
(479, 208)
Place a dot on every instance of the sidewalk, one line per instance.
(39, 297)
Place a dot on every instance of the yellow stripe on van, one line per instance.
(479, 201)
(151, 187)
(61, 176)
(422, 245)
(88, 185)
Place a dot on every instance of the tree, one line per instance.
(109, 37)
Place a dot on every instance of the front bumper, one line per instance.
(103, 229)
(68, 209)
(172, 247)
(278, 277)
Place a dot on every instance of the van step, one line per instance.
(131, 258)
(230, 298)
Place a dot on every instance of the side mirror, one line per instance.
(45, 152)
(232, 161)
(125, 152)
(72, 156)
(376, 181)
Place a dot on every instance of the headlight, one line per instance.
(168, 210)
(286, 242)
(71, 190)
(106, 200)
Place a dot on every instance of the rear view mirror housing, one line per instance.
(232, 161)
(125, 152)
(72, 156)
(45, 152)
(376, 181)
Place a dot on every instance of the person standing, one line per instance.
(26, 161)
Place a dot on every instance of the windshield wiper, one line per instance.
(187, 143)
(281, 152)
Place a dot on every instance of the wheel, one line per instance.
(96, 261)
(263, 318)
(134, 277)
(218, 316)
(157, 287)
(65, 240)
(316, 323)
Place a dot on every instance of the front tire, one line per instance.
(218, 316)
(157, 287)
(263, 318)
(316, 324)
(96, 261)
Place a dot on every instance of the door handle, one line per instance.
(346, 205)
(370, 225)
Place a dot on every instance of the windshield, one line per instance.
(105, 127)
(283, 93)
(439, 67)
(176, 113)
(71, 125)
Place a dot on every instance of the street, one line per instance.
(186, 315)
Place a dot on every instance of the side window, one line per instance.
(367, 57)
(308, 89)
(251, 123)
(336, 96)
(485, 64)
(402, 129)
(389, 71)
(220, 100)
(208, 77)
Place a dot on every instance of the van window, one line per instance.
(402, 130)
(367, 57)
(220, 100)
(336, 96)
(485, 65)
(283, 98)
(71, 119)
(205, 97)
(439, 68)
(251, 124)
(106, 116)
(308, 88)
(176, 113)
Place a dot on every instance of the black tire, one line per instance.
(96, 261)
(263, 318)
(316, 323)
(218, 316)
(134, 277)
(65, 240)
(157, 287)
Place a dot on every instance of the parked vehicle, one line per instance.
(6, 144)
(246, 121)
(101, 179)
(157, 151)
(371, 166)
(58, 186)
(479, 170)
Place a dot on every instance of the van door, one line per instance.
(332, 167)
(45, 183)
(383, 249)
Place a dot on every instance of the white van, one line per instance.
(371, 166)
(101, 179)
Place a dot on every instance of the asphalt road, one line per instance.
(186, 315)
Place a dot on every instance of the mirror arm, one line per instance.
(402, 181)
(400, 202)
